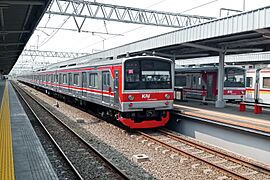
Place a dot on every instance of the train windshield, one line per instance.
(234, 77)
(147, 73)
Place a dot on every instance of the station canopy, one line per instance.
(18, 20)
(241, 33)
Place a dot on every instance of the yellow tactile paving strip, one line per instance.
(241, 121)
(6, 156)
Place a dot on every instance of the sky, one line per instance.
(71, 41)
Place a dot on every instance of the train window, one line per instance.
(51, 78)
(93, 79)
(60, 78)
(147, 74)
(132, 71)
(64, 78)
(96, 80)
(108, 79)
(56, 78)
(193, 81)
(180, 81)
(266, 82)
(76, 79)
(234, 77)
(104, 79)
(70, 78)
(116, 76)
(200, 81)
(84, 78)
(249, 82)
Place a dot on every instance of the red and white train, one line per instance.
(203, 81)
(137, 91)
(258, 86)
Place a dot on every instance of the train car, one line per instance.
(258, 86)
(137, 91)
(203, 81)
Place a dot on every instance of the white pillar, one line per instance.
(220, 103)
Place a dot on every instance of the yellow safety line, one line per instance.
(6, 153)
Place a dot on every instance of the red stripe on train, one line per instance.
(80, 88)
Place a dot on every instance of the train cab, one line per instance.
(147, 92)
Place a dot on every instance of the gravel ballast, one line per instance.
(120, 146)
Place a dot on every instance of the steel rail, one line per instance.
(177, 150)
(253, 166)
(111, 165)
(48, 133)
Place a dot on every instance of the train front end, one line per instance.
(147, 92)
(234, 83)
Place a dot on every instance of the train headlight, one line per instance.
(167, 96)
(130, 97)
(242, 92)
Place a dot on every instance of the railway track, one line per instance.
(176, 145)
(83, 158)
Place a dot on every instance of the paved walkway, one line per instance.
(21, 155)
(230, 115)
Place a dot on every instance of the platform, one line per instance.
(229, 115)
(22, 155)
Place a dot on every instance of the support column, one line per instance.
(220, 103)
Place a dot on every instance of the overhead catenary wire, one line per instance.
(134, 29)
(55, 31)
(125, 31)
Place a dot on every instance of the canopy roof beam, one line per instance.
(34, 53)
(94, 10)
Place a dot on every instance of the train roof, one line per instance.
(258, 69)
(200, 69)
(92, 63)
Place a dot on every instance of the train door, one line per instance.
(56, 81)
(84, 84)
(264, 87)
(52, 81)
(69, 82)
(258, 84)
(251, 86)
(116, 88)
(106, 89)
(209, 88)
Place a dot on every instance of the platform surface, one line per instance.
(28, 158)
(228, 115)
